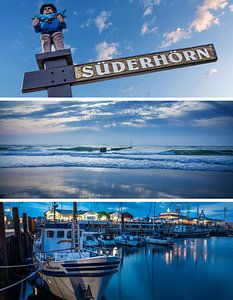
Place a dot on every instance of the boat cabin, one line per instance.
(56, 236)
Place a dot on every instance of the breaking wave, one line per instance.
(192, 158)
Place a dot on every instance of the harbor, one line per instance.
(55, 258)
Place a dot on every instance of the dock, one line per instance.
(15, 247)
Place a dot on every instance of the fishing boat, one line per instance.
(106, 240)
(186, 231)
(157, 239)
(67, 269)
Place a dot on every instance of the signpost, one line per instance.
(57, 73)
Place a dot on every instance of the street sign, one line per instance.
(152, 62)
(57, 73)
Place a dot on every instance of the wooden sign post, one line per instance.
(57, 73)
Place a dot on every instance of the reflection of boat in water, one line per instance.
(217, 231)
(106, 240)
(157, 239)
(180, 231)
(126, 240)
(68, 270)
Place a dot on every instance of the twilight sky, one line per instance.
(110, 29)
(116, 123)
(137, 209)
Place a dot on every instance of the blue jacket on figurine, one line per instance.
(50, 26)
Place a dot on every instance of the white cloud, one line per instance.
(204, 15)
(212, 122)
(165, 111)
(101, 20)
(212, 71)
(43, 125)
(175, 36)
(148, 27)
(87, 23)
(205, 18)
(106, 50)
(148, 11)
(149, 6)
(179, 109)
(23, 109)
(231, 7)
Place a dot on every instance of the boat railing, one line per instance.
(101, 251)
(53, 255)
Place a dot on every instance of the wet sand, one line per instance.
(113, 183)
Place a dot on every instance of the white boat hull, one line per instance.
(107, 243)
(79, 279)
(166, 242)
(125, 242)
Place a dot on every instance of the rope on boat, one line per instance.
(20, 281)
(17, 266)
(30, 234)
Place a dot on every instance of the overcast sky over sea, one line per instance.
(102, 122)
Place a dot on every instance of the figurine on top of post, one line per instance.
(50, 23)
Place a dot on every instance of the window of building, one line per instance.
(91, 218)
(68, 234)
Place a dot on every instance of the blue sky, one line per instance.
(109, 29)
(114, 122)
(138, 209)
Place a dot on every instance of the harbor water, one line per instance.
(192, 269)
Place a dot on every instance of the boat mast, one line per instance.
(154, 218)
(75, 226)
(225, 213)
(122, 220)
(54, 211)
(197, 214)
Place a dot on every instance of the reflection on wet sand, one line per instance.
(108, 183)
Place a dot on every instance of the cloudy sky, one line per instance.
(106, 29)
(116, 122)
(138, 209)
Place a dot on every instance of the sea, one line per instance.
(196, 158)
(192, 269)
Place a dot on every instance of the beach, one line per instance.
(76, 182)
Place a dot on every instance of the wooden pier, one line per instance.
(15, 246)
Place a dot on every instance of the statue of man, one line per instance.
(50, 24)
